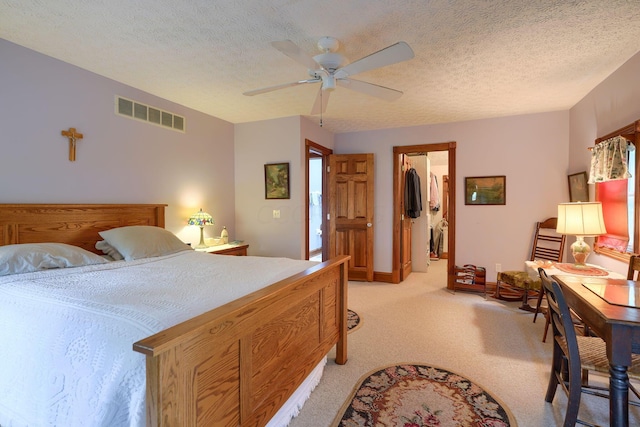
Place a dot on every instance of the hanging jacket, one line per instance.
(412, 194)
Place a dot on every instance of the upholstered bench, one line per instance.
(519, 280)
(547, 245)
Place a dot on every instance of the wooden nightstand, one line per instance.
(229, 249)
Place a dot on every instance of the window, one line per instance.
(620, 205)
(615, 208)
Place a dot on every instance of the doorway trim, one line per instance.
(450, 147)
(313, 149)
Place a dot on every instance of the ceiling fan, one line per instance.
(327, 68)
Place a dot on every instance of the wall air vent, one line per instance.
(136, 110)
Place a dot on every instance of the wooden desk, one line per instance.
(618, 325)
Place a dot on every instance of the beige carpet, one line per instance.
(491, 342)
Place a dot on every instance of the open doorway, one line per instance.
(402, 235)
(315, 208)
(425, 231)
(317, 159)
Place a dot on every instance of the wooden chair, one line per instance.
(573, 354)
(547, 245)
(633, 273)
(539, 310)
(577, 322)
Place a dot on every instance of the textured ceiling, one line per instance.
(473, 59)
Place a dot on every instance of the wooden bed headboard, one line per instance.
(74, 224)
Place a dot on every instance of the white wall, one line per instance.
(273, 141)
(529, 149)
(120, 160)
(613, 104)
(124, 161)
(258, 143)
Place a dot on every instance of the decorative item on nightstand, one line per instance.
(224, 235)
(201, 219)
(581, 220)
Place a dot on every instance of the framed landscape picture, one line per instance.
(578, 188)
(485, 190)
(276, 181)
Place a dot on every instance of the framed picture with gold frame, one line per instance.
(276, 181)
(485, 190)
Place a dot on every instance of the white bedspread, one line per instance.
(66, 336)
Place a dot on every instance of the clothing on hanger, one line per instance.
(434, 197)
(438, 237)
(412, 194)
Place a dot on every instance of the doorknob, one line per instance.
(369, 225)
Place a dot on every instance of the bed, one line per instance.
(236, 364)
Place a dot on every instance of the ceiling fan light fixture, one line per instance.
(329, 60)
(328, 44)
(327, 68)
(328, 82)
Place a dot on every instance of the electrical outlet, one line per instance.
(498, 268)
(276, 213)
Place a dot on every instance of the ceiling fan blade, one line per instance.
(389, 55)
(280, 86)
(320, 104)
(371, 89)
(292, 50)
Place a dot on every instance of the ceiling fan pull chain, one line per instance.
(321, 108)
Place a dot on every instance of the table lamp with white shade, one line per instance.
(201, 219)
(580, 219)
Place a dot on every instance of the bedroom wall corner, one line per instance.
(119, 160)
(531, 150)
(311, 130)
(609, 106)
(256, 144)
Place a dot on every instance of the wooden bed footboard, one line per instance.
(237, 364)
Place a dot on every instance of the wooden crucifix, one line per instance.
(73, 137)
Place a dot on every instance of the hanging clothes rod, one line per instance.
(628, 143)
(629, 132)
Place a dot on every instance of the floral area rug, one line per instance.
(353, 320)
(412, 395)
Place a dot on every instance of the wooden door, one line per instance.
(351, 212)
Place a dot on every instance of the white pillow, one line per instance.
(28, 257)
(109, 250)
(143, 241)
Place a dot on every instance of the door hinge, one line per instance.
(402, 217)
(328, 217)
(328, 168)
